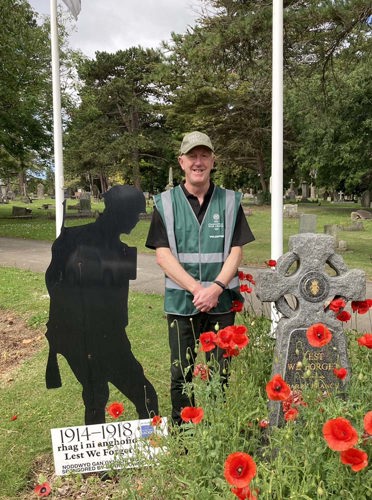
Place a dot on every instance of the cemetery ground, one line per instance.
(293, 461)
(40, 225)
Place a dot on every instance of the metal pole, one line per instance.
(57, 118)
(277, 144)
(277, 133)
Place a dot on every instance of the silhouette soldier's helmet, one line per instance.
(123, 204)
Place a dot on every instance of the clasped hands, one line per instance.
(206, 298)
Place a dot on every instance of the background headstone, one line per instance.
(302, 275)
(304, 188)
(290, 210)
(307, 223)
(40, 191)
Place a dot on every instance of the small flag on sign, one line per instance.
(74, 7)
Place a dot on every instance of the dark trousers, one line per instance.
(183, 333)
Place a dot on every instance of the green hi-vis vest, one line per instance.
(202, 248)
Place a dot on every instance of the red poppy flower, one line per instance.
(295, 398)
(245, 289)
(232, 336)
(367, 420)
(224, 338)
(339, 434)
(201, 371)
(357, 459)
(156, 420)
(239, 469)
(42, 490)
(365, 340)
(244, 493)
(241, 276)
(249, 278)
(207, 341)
(240, 339)
(340, 373)
(115, 409)
(270, 263)
(230, 352)
(277, 389)
(336, 305)
(236, 306)
(192, 414)
(263, 423)
(318, 335)
(291, 414)
(361, 306)
(14, 417)
(343, 316)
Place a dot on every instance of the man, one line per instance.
(88, 283)
(198, 231)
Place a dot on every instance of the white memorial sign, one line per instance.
(99, 447)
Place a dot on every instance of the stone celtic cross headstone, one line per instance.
(302, 285)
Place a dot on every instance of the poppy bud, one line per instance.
(188, 356)
(307, 374)
(299, 365)
(360, 376)
(216, 327)
(320, 491)
(297, 351)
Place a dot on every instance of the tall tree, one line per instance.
(219, 73)
(24, 88)
(119, 121)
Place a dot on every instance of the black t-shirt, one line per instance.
(157, 236)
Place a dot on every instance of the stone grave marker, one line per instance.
(307, 223)
(40, 191)
(302, 285)
(290, 210)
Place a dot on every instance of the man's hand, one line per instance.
(206, 298)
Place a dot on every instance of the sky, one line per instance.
(112, 25)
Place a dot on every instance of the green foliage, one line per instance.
(25, 74)
(118, 127)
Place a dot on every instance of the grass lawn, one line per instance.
(359, 243)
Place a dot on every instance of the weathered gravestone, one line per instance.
(40, 191)
(301, 289)
(307, 223)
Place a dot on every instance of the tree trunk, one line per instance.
(22, 183)
(135, 154)
(261, 171)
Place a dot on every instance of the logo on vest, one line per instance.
(216, 225)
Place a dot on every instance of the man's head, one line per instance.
(123, 204)
(196, 160)
(194, 139)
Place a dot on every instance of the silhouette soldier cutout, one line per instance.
(88, 282)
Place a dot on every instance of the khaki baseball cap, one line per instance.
(194, 139)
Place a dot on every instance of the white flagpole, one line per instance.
(277, 143)
(277, 133)
(57, 118)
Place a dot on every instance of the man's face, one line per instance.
(197, 165)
